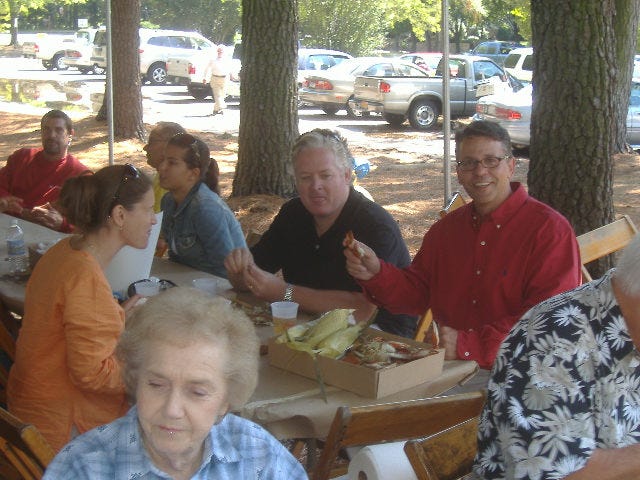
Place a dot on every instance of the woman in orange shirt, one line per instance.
(65, 379)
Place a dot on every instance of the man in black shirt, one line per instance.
(305, 240)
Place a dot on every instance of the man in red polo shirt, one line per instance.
(31, 179)
(482, 266)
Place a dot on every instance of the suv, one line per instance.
(519, 63)
(496, 50)
(156, 46)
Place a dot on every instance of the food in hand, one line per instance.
(350, 243)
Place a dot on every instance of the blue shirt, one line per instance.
(201, 231)
(235, 449)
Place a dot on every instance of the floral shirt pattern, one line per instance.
(566, 382)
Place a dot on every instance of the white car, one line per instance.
(310, 60)
(512, 110)
(156, 46)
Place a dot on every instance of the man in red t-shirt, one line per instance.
(31, 179)
(482, 266)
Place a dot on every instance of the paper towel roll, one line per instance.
(381, 462)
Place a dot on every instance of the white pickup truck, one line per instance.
(420, 99)
(190, 71)
(50, 49)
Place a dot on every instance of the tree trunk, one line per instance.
(625, 21)
(127, 97)
(268, 110)
(574, 113)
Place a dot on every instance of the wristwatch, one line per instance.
(288, 293)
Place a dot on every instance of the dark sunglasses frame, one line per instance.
(128, 172)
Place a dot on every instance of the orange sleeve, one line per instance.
(92, 322)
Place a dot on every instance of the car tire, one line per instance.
(330, 110)
(423, 115)
(58, 62)
(394, 119)
(97, 70)
(157, 74)
(199, 93)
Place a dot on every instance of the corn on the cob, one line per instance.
(327, 324)
(335, 344)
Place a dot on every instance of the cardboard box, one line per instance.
(365, 381)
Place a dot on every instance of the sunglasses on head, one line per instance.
(128, 172)
(186, 140)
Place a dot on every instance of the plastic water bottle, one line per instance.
(17, 250)
(361, 167)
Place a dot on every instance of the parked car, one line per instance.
(512, 110)
(332, 89)
(519, 63)
(495, 50)
(312, 59)
(156, 46)
(78, 54)
(426, 60)
(419, 98)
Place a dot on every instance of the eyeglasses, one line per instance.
(187, 140)
(128, 172)
(469, 165)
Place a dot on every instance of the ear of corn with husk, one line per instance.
(329, 336)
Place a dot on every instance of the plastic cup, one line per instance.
(207, 285)
(284, 315)
(147, 289)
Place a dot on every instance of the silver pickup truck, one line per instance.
(420, 99)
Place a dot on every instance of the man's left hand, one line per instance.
(264, 285)
(46, 215)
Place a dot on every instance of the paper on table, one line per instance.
(131, 264)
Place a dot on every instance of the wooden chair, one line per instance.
(605, 240)
(8, 333)
(457, 200)
(446, 455)
(391, 422)
(23, 446)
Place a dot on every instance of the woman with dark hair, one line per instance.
(65, 379)
(198, 226)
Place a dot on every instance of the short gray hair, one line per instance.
(627, 273)
(182, 315)
(325, 138)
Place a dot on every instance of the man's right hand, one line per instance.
(364, 265)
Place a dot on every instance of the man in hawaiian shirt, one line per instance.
(564, 393)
